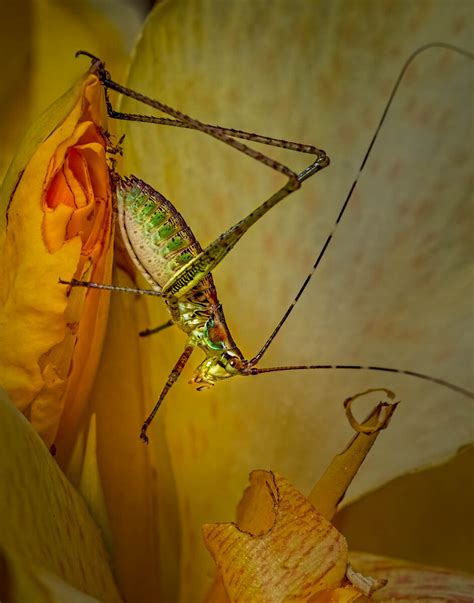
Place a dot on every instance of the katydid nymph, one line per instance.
(167, 254)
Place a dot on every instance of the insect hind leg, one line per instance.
(227, 135)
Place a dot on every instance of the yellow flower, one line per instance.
(391, 291)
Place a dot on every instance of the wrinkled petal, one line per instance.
(295, 553)
(283, 546)
(58, 217)
(49, 545)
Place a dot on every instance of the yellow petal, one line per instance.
(49, 543)
(346, 594)
(332, 486)
(137, 482)
(258, 514)
(291, 551)
(58, 215)
(392, 289)
(14, 27)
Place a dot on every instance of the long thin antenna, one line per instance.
(400, 77)
(448, 384)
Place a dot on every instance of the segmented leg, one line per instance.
(226, 135)
(173, 376)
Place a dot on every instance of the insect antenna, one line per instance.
(452, 386)
(251, 368)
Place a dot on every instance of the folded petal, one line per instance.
(266, 554)
(58, 214)
(291, 551)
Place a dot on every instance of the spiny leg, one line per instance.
(90, 285)
(226, 135)
(146, 332)
(192, 273)
(173, 377)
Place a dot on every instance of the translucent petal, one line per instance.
(394, 289)
(35, 73)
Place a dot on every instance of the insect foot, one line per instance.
(143, 435)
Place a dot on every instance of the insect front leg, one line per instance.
(172, 378)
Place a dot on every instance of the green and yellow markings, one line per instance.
(147, 209)
(155, 220)
(166, 231)
(174, 244)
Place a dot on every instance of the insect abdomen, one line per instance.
(159, 238)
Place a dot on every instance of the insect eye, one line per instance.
(232, 360)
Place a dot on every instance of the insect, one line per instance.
(170, 258)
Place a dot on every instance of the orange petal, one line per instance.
(290, 550)
(59, 225)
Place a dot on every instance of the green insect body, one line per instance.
(160, 242)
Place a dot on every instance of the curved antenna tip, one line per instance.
(87, 54)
